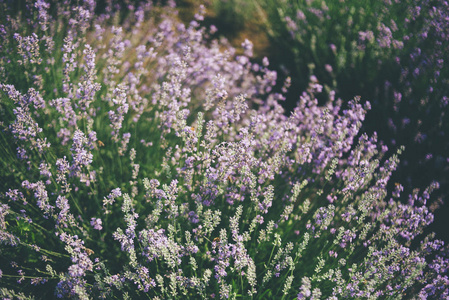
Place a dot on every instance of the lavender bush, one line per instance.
(390, 52)
(141, 159)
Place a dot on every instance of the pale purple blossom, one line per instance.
(96, 223)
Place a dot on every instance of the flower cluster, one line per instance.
(389, 52)
(175, 172)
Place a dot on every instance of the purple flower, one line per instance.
(14, 195)
(96, 223)
(28, 48)
(42, 8)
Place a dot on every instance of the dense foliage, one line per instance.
(142, 158)
(392, 53)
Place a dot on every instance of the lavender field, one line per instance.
(145, 156)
